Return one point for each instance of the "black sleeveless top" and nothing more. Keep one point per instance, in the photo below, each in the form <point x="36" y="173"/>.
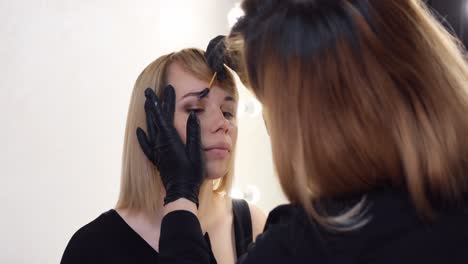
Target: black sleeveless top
<point x="109" y="239"/>
<point x="242" y="225"/>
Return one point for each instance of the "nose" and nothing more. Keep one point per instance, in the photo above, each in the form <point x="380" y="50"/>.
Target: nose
<point x="219" y="123"/>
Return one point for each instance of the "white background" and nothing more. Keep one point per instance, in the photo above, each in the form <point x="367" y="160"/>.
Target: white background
<point x="67" y="70"/>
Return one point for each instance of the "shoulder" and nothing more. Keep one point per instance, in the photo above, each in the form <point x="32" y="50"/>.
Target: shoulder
<point x="277" y="226"/>
<point x="87" y="239"/>
<point x="258" y="220"/>
<point x="95" y="228"/>
<point x="284" y="215"/>
<point x="289" y="236"/>
<point x="253" y="215"/>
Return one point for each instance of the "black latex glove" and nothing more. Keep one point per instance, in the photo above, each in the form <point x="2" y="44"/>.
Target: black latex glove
<point x="217" y="56"/>
<point x="180" y="166"/>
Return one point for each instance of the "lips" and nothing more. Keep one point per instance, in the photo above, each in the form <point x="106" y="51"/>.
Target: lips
<point x="218" y="150"/>
<point x="221" y="146"/>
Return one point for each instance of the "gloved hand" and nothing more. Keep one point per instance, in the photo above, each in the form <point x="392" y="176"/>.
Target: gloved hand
<point x="181" y="166"/>
<point x="217" y="56"/>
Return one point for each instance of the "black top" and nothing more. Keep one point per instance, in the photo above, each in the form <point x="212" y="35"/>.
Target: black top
<point x="109" y="239"/>
<point x="242" y="225"/>
<point x="395" y="234"/>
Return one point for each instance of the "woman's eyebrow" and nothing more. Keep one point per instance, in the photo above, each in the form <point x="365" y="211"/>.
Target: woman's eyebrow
<point x="195" y="94"/>
<point x="229" y="98"/>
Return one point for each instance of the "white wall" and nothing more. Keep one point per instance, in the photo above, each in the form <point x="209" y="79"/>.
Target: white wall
<point x="67" y="69"/>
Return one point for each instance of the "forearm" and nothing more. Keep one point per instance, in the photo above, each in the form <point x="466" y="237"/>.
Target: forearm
<point x="180" y="204"/>
<point x="181" y="239"/>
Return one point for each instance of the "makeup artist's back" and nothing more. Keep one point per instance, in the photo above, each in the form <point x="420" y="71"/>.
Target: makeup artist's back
<point x="395" y="233"/>
<point x="382" y="103"/>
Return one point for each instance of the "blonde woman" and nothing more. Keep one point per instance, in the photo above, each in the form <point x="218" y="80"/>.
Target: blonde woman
<point x="130" y="232"/>
<point x="366" y="105"/>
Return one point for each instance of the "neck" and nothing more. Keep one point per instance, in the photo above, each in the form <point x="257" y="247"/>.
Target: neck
<point x="210" y="206"/>
<point x="207" y="200"/>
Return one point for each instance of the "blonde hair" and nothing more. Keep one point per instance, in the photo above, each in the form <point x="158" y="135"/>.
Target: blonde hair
<point x="358" y="94"/>
<point x="140" y="180"/>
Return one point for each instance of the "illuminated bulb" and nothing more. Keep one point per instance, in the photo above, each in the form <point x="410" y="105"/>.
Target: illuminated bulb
<point x="234" y="14"/>
<point x="252" y="195"/>
<point x="253" y="107"/>
<point x="250" y="107"/>
<point x="241" y="108"/>
<point x="236" y="194"/>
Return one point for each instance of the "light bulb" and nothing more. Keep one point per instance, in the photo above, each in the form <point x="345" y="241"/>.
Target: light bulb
<point x="252" y="195"/>
<point x="249" y="107"/>
<point x="236" y="193"/>
<point x="234" y="14"/>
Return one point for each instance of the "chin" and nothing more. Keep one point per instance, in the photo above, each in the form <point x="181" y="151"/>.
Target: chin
<point x="216" y="169"/>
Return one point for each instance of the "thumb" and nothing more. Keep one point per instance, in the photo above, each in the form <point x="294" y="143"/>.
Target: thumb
<point x="194" y="145"/>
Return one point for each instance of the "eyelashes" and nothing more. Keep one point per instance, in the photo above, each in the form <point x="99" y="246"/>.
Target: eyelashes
<point x="197" y="110"/>
<point x="229" y="115"/>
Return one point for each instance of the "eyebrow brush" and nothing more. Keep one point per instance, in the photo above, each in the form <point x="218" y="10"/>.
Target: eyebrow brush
<point x="207" y="90"/>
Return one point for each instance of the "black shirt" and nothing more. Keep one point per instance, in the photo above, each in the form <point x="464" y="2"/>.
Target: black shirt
<point x="109" y="239"/>
<point x="394" y="234"/>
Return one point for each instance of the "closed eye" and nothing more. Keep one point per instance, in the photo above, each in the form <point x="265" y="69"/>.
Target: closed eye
<point x="228" y="115"/>
<point x="195" y="110"/>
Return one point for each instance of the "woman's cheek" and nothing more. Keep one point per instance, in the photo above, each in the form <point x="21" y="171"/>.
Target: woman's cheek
<point x="233" y="132"/>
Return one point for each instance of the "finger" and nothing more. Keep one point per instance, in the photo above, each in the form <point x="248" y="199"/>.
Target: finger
<point x="221" y="76"/>
<point x="151" y="95"/>
<point x="214" y="42"/>
<point x="152" y="107"/>
<point x="144" y="143"/>
<point x="151" y="123"/>
<point x="194" y="145"/>
<point x="151" y="104"/>
<point x="215" y="53"/>
<point x="168" y="105"/>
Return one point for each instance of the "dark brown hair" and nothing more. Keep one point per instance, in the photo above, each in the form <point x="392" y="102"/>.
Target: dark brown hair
<point x="357" y="94"/>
